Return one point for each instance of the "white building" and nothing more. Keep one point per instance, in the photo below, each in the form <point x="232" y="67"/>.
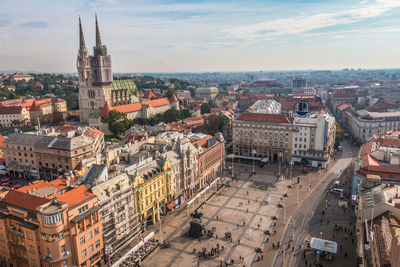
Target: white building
<point x="364" y="124"/>
<point x="266" y="106"/>
<point x="313" y="139"/>
<point x="209" y="93"/>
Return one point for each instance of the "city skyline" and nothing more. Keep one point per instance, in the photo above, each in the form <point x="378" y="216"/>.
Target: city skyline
<point x="196" y="36"/>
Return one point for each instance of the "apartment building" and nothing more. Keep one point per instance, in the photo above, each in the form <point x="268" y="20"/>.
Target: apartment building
<point x="118" y="214"/>
<point x="154" y="190"/>
<point x="266" y="137"/>
<point x="365" y="124"/>
<point x="211" y="157"/>
<point x="50" y="155"/>
<point x="51" y="224"/>
<point x="313" y="139"/>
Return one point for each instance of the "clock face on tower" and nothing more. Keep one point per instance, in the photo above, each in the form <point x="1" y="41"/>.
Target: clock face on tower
<point x="301" y="109"/>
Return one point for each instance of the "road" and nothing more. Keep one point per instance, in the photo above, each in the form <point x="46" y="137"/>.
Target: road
<point x="299" y="221"/>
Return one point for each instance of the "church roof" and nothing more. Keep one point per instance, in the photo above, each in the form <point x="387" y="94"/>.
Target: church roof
<point x="173" y="98"/>
<point x="149" y="95"/>
<point x="105" y="110"/>
<point x="123" y="85"/>
<point x="35" y="106"/>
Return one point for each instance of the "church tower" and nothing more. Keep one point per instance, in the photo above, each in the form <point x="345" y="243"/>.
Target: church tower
<point x="95" y="76"/>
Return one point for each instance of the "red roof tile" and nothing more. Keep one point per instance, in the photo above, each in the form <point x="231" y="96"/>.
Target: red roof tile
<point x="149" y="95"/>
<point x="173" y="98"/>
<point x="257" y="117"/>
<point x="138" y="106"/>
<point x="105" y="110"/>
<point x="75" y="196"/>
<point x="24" y="200"/>
<point x="10" y="110"/>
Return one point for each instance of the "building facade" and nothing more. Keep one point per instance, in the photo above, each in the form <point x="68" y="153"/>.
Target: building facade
<point x="211" y="158"/>
<point x="154" y="190"/>
<point x="313" y="139"/>
<point x="267" y="137"/>
<point x="53" y="225"/>
<point x="208" y="93"/>
<point x="364" y="124"/>
<point x="49" y="156"/>
<point x="118" y="213"/>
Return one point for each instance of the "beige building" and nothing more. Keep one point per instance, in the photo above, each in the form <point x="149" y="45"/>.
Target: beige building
<point x="267" y="137"/>
<point x="49" y="156"/>
<point x="208" y="93"/>
<point x="313" y="139"/>
<point x="28" y="112"/>
<point x="118" y="213"/>
<point x="14" y="116"/>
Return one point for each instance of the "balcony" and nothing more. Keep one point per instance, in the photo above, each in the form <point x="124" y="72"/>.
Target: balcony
<point x="63" y="257"/>
<point x="18" y="246"/>
<point x="19" y="258"/>
<point x="16" y="232"/>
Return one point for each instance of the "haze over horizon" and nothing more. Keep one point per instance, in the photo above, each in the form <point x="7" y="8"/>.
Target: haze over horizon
<point x="196" y="36"/>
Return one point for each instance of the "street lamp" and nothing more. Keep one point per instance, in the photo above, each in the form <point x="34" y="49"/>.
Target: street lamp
<point x="254" y="157"/>
<point x="279" y="160"/>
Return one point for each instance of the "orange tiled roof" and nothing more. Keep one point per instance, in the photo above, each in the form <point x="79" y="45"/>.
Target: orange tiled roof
<point x="105" y="110"/>
<point x="60" y="184"/>
<point x="2" y="138"/>
<point x="149" y="95"/>
<point x="203" y="142"/>
<point x="75" y="196"/>
<point x="258" y="117"/>
<point x="66" y="128"/>
<point x="24" y="200"/>
<point x="173" y="98"/>
<point x="138" y="106"/>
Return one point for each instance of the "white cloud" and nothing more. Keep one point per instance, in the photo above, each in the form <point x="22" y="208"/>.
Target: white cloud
<point x="304" y="23"/>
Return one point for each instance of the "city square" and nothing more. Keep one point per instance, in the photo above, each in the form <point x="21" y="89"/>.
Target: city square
<point x="241" y="209"/>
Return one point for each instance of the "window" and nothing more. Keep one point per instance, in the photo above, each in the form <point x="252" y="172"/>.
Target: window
<point x="29" y="235"/>
<point x="83" y="209"/>
<point x="63" y="249"/>
<point x="89" y="236"/>
<point x="96" y="231"/>
<point x="82" y="240"/>
<point x="52" y="219"/>
<point x="65" y="263"/>
<point x="83" y="254"/>
<point x="97" y="243"/>
<point x="91" y="249"/>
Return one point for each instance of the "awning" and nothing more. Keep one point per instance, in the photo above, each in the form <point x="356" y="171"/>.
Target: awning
<point x="171" y="205"/>
<point x="264" y="160"/>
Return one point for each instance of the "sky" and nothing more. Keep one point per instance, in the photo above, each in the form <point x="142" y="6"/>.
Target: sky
<point x="197" y="36"/>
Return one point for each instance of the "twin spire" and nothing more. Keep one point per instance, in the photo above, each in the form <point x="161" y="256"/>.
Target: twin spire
<point x="82" y="38"/>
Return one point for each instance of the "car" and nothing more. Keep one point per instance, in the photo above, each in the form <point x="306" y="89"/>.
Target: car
<point x="336" y="184"/>
<point x="339" y="148"/>
<point x="336" y="190"/>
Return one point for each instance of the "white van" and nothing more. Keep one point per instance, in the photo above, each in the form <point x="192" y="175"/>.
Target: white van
<point x="336" y="190"/>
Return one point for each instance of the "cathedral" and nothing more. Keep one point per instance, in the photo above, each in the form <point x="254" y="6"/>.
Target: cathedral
<point x="96" y="85"/>
<point x="99" y="93"/>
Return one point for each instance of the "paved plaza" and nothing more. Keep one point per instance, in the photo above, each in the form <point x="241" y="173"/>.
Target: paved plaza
<point x="240" y="209"/>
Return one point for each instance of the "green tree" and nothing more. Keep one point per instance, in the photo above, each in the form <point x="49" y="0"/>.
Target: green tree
<point x="118" y="122"/>
<point x="169" y="92"/>
<point x="213" y="124"/>
<point x="205" y="108"/>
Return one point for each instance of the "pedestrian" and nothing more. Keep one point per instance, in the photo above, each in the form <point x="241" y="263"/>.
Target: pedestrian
<point x="262" y="257"/>
<point x="248" y="201"/>
<point x="238" y="241"/>
<point x="217" y="217"/>
<point x="260" y="219"/>
<point x="345" y="255"/>
<point x="273" y="245"/>
<point x="244" y="223"/>
<point x="341" y="248"/>
<point x="258" y="226"/>
<point x="247" y="192"/>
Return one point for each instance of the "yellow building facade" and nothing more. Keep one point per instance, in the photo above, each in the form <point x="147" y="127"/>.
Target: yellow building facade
<point x="153" y="190"/>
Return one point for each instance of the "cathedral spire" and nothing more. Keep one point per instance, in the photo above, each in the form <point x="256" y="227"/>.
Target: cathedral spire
<point x="98" y="39"/>
<point x="81" y="37"/>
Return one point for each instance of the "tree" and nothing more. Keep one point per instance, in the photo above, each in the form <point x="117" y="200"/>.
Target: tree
<point x="205" y="108"/>
<point x="118" y="122"/>
<point x="213" y="124"/>
<point x="169" y="92"/>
